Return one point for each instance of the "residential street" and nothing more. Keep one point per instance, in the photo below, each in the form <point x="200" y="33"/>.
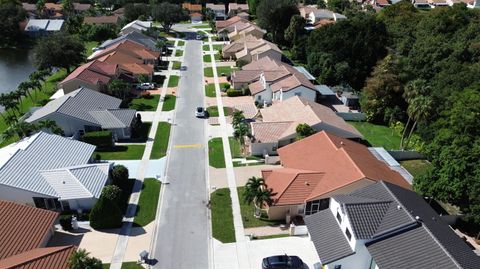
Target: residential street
<point x="182" y="237"/>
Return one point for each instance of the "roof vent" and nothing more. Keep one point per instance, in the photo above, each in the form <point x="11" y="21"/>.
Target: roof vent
<point x="63" y="182"/>
<point x="399" y="207"/>
<point x="417" y="218"/>
<point x="341" y="143"/>
<point x="306" y="183"/>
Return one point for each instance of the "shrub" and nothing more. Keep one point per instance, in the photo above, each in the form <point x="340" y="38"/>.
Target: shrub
<point x="105" y="215"/>
<point x="66" y="223"/>
<point x="120" y="176"/>
<point x="101" y="139"/>
<point x="146" y="95"/>
<point x="246" y="91"/>
<point x="233" y="92"/>
<point x="112" y="193"/>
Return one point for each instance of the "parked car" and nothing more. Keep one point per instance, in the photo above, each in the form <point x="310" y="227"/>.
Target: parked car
<point x="183" y="68"/>
<point x="200" y="37"/>
<point x="145" y="86"/>
<point x="282" y="262"/>
<point x="200" y="112"/>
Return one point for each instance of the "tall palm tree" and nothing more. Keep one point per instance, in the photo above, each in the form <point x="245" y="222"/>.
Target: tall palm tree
<point x="252" y="188"/>
<point x="413" y="90"/>
<point x="419" y="109"/>
<point x="25" y="87"/>
<point x="80" y="259"/>
<point x="50" y="125"/>
<point x="40" y="6"/>
<point x="264" y="197"/>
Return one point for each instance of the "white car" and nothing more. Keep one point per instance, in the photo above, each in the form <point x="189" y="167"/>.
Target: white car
<point x="200" y="112"/>
<point x="146" y="86"/>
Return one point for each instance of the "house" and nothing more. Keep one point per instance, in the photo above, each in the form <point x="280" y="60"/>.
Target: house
<point x="192" y="8"/>
<point x="38" y="28"/>
<point x="279" y="123"/>
<point x="324" y="14"/>
<point x="54" y="10"/>
<point x="219" y="10"/>
<point x="244" y="29"/>
<point x="131" y="48"/>
<point x="244" y="15"/>
<point x="249" y="48"/>
<point x="86" y="110"/>
<point x="131" y="67"/>
<point x="80" y="8"/>
<point x="147" y="41"/>
<point x="94" y="75"/>
<point x="305" y="10"/>
<point x="51" y="172"/>
<point x="109" y="20"/>
<point x="137" y="26"/>
<point x="196" y="17"/>
<point x="437" y="3"/>
<point x="31" y="10"/>
<point x="234" y="9"/>
<point x="318" y="167"/>
<point x="385" y="226"/>
<point x="270" y="80"/>
<point x="220" y="25"/>
<point x="25" y="233"/>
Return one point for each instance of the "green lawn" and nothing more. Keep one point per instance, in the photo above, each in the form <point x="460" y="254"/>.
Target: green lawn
<point x="416" y="167"/>
<point x="215" y="47"/>
<point x="178" y="53"/>
<point x="222" y="216"/>
<point x="89" y="47"/>
<point x="173" y="81"/>
<point x="147" y="203"/>
<point x="213" y="111"/>
<point x="210" y="90"/>
<point x="208" y="71"/>
<point x="169" y="102"/>
<point x="127" y="152"/>
<point x="181" y="43"/>
<point x="378" y="135"/>
<point x="171" y="42"/>
<point x="248" y="211"/>
<point x="125" y="265"/>
<point x="160" y="144"/>
<point x="208" y="59"/>
<point x="145" y="104"/>
<point x="176" y="65"/>
<point x="201" y="26"/>
<point x="216" y="155"/>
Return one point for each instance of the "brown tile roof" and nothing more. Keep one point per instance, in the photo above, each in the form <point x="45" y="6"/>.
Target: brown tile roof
<point x="342" y="160"/>
<point x="131" y="48"/>
<point x="256" y="87"/>
<point x="235" y="6"/>
<point x="53" y="6"/>
<point x="81" y="7"/>
<point x="93" y="72"/>
<point x="292" y="186"/>
<point x="192" y="7"/>
<point x="138" y="69"/>
<point x="240" y="76"/>
<point x="22" y="227"/>
<point x="300" y="110"/>
<point x="51" y="257"/>
<point x="270" y="132"/>
<point x="223" y="24"/>
<point x="196" y="14"/>
<point x="102" y="20"/>
<point x="119" y="57"/>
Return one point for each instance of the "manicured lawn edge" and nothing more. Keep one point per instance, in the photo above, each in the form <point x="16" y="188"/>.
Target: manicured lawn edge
<point x="160" y="144"/>
<point x="378" y="135"/>
<point x="248" y="211"/>
<point x="176" y="65"/>
<point x="216" y="157"/>
<point x="145" y="104"/>
<point x="124" y="152"/>
<point x="178" y="53"/>
<point x="222" y="216"/>
<point x="173" y="81"/>
<point x="147" y="203"/>
<point x="169" y="102"/>
<point x="210" y="90"/>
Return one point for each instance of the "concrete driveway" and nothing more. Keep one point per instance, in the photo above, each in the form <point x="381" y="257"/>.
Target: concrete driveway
<point x="155" y="167"/>
<point x="259" y="249"/>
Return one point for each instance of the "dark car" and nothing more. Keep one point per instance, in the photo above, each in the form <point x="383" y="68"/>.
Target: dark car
<point x="282" y="262"/>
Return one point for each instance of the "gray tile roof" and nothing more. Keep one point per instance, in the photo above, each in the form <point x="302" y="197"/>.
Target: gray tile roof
<point x="89" y="106"/>
<point x="385" y="215"/>
<point x="135" y="37"/>
<point x="37" y="153"/>
<point x="329" y="241"/>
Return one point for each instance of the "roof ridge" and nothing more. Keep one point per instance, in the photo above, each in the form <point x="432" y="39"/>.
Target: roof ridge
<point x="80" y="183"/>
<point x="36" y="257"/>
<point x="286" y="188"/>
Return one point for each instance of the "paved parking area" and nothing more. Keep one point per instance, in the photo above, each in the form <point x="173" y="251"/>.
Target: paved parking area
<point x="224" y="254"/>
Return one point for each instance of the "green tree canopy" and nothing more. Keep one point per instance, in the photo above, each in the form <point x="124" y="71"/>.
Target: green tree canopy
<point x="303" y="130"/>
<point x="274" y="16"/>
<point x="59" y="50"/>
<point x="80" y="259"/>
<point x="12" y="14"/>
<point x="168" y="14"/>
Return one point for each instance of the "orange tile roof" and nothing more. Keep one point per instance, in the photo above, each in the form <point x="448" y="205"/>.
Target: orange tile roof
<point x="131" y="48"/>
<point x="137" y="69"/>
<point x="223" y="24"/>
<point x="51" y="257"/>
<point x="119" y="57"/>
<point x="93" y="72"/>
<point x="22" y="227"/>
<point x="192" y="7"/>
<point x="342" y="160"/>
<point x="292" y="186"/>
<point x="53" y="6"/>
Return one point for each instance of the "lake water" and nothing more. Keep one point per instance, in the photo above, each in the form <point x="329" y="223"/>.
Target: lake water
<point x="15" y="66"/>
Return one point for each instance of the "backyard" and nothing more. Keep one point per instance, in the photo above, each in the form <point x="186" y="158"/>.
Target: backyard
<point x="124" y="152"/>
<point x="222" y="216"/>
<point x="160" y="144"/>
<point x="145" y="103"/>
<point x="378" y="135"/>
<point x="147" y="203"/>
<point x="173" y="81"/>
<point x="169" y="102"/>
<point x="89" y="46"/>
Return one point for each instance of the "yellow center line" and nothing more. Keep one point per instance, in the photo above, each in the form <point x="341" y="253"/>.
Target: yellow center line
<point x="184" y="146"/>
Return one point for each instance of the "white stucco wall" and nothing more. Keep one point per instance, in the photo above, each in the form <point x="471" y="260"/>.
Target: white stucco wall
<point x="19" y="195"/>
<point x="304" y="92"/>
<point x="83" y="204"/>
<point x="74" y="84"/>
<point x="69" y="125"/>
<point x="261" y="148"/>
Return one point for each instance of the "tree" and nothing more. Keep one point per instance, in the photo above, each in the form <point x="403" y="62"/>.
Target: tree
<point x="168" y="14"/>
<point x="418" y="110"/>
<point x="274" y="16"/>
<point x="99" y="33"/>
<point x="105" y="214"/>
<point x="381" y="98"/>
<point x="67" y="7"/>
<point x="74" y="24"/>
<point x="51" y="126"/>
<point x="133" y="12"/>
<point x="112" y="193"/>
<point x="119" y="88"/>
<point x="59" y="50"/>
<point x="80" y="259"/>
<point x="321" y="4"/>
<point x="120" y="176"/>
<point x="338" y="5"/>
<point x="304" y="130"/>
<point x="252" y="6"/>
<point x="12" y="14"/>
<point x="40" y="6"/>
<point x="296" y="29"/>
<point x="252" y="188"/>
<point x="240" y="126"/>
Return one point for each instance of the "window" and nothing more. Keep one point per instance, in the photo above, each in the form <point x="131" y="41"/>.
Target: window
<point x="313" y="207"/>
<point x="337" y="267"/>
<point x="339" y="218"/>
<point x="298" y="94"/>
<point x="349" y="235"/>
<point x="259" y="97"/>
<point x="65" y="205"/>
<point x="274" y="148"/>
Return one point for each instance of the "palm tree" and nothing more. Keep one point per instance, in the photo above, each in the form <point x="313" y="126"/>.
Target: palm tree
<point x="264" y="197"/>
<point x="237" y="118"/>
<point x="414" y="89"/>
<point x="40" y="6"/>
<point x="252" y="188"/>
<point x="25" y="88"/>
<point x="50" y="125"/>
<point x="80" y="259"/>
<point x="419" y="109"/>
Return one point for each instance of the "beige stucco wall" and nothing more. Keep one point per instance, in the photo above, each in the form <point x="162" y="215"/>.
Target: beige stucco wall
<point x="280" y="212"/>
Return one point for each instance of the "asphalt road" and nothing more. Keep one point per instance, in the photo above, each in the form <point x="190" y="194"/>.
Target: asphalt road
<point x="182" y="239"/>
